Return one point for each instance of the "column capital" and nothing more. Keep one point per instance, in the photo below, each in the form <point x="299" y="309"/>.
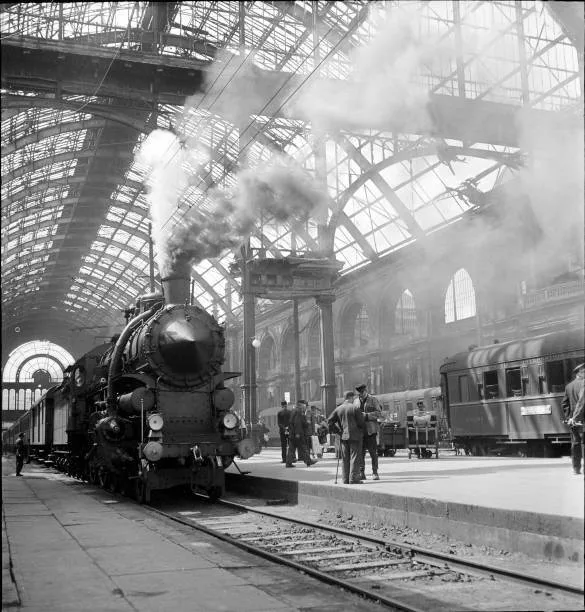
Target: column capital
<point x="325" y="300"/>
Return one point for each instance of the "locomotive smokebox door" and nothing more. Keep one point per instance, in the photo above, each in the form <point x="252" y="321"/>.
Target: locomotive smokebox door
<point x="182" y="344"/>
<point x="186" y="346"/>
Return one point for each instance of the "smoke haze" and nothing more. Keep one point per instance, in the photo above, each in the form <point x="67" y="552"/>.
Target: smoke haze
<point x="381" y="90"/>
<point x="553" y="180"/>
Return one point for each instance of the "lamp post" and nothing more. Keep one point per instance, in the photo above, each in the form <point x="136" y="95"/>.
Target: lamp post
<point x="249" y="302"/>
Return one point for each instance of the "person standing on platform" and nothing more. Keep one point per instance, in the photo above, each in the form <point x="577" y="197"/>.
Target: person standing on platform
<point x="298" y="429"/>
<point x="370" y="406"/>
<point x="572" y="405"/>
<point x="349" y="420"/>
<point x="264" y="433"/>
<point x="20" y="453"/>
<point x="283" y="420"/>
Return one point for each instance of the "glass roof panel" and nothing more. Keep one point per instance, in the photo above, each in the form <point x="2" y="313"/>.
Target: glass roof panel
<point x="509" y="52"/>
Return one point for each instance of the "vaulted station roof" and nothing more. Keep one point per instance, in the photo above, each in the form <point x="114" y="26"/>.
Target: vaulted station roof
<point x="407" y="110"/>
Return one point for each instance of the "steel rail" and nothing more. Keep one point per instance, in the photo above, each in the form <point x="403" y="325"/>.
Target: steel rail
<point x="423" y="552"/>
<point x="323" y="577"/>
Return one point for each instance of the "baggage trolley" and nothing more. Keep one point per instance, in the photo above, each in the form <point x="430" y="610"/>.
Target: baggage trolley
<point x="423" y="434"/>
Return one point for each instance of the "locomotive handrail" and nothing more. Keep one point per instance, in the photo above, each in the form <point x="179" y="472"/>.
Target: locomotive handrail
<point x="118" y="350"/>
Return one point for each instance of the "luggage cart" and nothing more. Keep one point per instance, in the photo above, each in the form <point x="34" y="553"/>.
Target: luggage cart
<point x="390" y="438"/>
<point x="423" y="434"/>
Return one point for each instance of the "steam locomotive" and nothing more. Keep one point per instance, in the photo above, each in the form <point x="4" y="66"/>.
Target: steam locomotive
<point x="148" y="411"/>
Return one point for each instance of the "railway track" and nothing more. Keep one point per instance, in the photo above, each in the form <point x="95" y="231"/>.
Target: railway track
<point x="402" y="577"/>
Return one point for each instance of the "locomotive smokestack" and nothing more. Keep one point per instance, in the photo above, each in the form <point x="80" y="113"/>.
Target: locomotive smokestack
<point x="176" y="285"/>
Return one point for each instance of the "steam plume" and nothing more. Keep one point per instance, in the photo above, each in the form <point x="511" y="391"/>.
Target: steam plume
<point x="280" y="189"/>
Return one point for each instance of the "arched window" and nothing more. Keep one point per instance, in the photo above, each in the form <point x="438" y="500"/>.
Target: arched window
<point x="267" y="356"/>
<point x="288" y="351"/>
<point x="405" y="314"/>
<point x="460" y="297"/>
<point x="355" y="330"/>
<point x="34" y="356"/>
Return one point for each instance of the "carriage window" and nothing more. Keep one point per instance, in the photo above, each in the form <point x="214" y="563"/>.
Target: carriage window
<point x="513" y="382"/>
<point x="408" y="406"/>
<point x="464" y="388"/>
<point x="555" y="376"/>
<point x="480" y="391"/>
<point x="490" y="384"/>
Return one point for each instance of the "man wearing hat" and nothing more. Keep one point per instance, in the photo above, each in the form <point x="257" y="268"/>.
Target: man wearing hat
<point x="348" y="420"/>
<point x="283" y="420"/>
<point x="298" y="430"/>
<point x="370" y="406"/>
<point x="572" y="405"/>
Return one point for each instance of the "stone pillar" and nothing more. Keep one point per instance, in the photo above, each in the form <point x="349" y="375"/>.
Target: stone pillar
<point x="325" y="305"/>
<point x="297" y="350"/>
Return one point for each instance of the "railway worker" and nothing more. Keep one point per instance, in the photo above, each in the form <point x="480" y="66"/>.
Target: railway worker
<point x="349" y="420"/>
<point x="370" y="406"/>
<point x="283" y="420"/>
<point x="573" y="412"/>
<point x="20" y="453"/>
<point x="298" y="429"/>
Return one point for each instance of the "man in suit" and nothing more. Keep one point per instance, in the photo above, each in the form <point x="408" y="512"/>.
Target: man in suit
<point x="283" y="419"/>
<point x="298" y="429"/>
<point x="348" y="420"/>
<point x="370" y="406"/>
<point x="20" y="453"/>
<point x="572" y="405"/>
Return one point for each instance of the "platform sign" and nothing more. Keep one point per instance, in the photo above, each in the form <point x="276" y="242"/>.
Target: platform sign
<point x="539" y="409"/>
<point x="285" y="278"/>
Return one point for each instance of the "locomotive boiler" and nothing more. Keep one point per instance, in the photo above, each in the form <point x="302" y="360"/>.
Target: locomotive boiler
<point x="150" y="410"/>
<point x="165" y="417"/>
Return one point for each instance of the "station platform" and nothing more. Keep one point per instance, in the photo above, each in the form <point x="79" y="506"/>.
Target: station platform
<point x="71" y="547"/>
<point x="526" y="505"/>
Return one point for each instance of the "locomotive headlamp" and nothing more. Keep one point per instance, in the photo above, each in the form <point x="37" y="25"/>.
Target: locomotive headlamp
<point x="155" y="422"/>
<point x="230" y="420"/>
<point x="153" y="451"/>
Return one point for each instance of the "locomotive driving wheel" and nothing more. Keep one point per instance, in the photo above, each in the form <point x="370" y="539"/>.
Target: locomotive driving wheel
<point x="103" y="477"/>
<point x="214" y="493"/>
<point x="92" y="472"/>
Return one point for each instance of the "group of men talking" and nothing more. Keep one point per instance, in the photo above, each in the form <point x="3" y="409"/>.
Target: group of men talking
<point x="355" y="421"/>
<point x="293" y="428"/>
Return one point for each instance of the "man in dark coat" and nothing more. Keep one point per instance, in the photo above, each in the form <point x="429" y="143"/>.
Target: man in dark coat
<point x="20" y="453"/>
<point x="298" y="429"/>
<point x="370" y="406"/>
<point x="283" y="419"/>
<point x="348" y="419"/>
<point x="572" y="405"/>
